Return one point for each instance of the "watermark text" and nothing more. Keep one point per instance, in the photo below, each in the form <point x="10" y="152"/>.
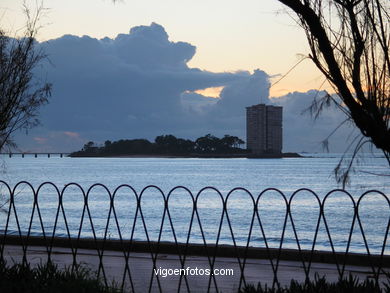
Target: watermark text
<point x="188" y="271"/>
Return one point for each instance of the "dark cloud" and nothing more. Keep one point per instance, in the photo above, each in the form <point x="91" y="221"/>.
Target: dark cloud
<point x="301" y="132"/>
<point x="139" y="85"/>
<point x="242" y="93"/>
<point x="227" y="114"/>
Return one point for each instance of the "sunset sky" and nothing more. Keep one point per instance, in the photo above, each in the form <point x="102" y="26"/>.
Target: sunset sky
<point x="229" y="35"/>
<point x="138" y="69"/>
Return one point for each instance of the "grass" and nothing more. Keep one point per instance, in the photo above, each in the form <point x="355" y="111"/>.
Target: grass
<point x="49" y="278"/>
<point x="321" y="285"/>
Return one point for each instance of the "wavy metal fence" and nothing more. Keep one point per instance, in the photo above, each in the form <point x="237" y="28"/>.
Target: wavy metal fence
<point x="208" y="223"/>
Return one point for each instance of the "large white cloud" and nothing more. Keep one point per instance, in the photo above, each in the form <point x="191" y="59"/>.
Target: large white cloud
<point x="139" y="85"/>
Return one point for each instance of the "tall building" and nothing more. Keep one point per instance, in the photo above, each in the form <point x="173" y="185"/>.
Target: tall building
<point x="264" y="129"/>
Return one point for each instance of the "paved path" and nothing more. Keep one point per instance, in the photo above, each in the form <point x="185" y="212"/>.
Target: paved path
<point x="141" y="268"/>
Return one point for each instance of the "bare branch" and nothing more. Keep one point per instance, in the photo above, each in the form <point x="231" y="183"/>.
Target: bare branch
<point x="349" y="44"/>
<point x="21" y="92"/>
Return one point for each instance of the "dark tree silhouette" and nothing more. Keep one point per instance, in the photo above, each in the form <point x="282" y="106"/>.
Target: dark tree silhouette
<point x="164" y="144"/>
<point x="349" y="42"/>
<point x="171" y="144"/>
<point x="89" y="146"/>
<point x="22" y="93"/>
<point x="208" y="144"/>
<point x="107" y="143"/>
<point x="229" y="141"/>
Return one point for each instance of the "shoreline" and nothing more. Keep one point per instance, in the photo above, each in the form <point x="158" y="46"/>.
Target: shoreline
<point x="195" y="156"/>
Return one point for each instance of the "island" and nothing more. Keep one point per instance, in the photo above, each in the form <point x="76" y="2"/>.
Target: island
<point x="208" y="146"/>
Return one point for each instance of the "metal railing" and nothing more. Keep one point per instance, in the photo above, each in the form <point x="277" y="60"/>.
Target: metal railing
<point x="208" y="223"/>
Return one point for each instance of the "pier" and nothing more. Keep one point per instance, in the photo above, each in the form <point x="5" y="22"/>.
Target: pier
<point x="36" y="155"/>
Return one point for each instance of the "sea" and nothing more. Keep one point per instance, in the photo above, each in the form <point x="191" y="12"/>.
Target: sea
<point x="126" y="198"/>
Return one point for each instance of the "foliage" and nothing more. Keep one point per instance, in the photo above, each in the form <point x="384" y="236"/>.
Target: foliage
<point x="349" y="42"/>
<point x="320" y="285"/>
<point x="22" y="93"/>
<point x="210" y="143"/>
<point x="164" y="144"/>
<point x="49" y="278"/>
<point x="171" y="144"/>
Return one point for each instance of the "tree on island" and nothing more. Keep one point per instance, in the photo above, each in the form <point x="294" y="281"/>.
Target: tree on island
<point x="349" y="42"/>
<point x="169" y="143"/>
<point x="207" y="144"/>
<point x="125" y="147"/>
<point x="90" y="147"/>
<point x="22" y="93"/>
<point x="229" y="141"/>
<point x="210" y="143"/>
<point x="164" y="144"/>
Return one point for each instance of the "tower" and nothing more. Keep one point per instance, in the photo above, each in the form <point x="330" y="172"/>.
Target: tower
<point x="264" y="129"/>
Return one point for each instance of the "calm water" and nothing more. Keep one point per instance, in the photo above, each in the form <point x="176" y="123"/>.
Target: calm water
<point x="287" y="175"/>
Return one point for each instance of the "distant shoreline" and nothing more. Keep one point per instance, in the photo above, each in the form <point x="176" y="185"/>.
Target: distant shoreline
<point x="194" y="156"/>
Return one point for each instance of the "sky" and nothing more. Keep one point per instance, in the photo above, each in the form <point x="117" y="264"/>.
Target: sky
<point x="229" y="35"/>
<point x="143" y="68"/>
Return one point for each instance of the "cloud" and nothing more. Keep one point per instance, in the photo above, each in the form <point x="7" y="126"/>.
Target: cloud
<point x="301" y="132"/>
<point x="122" y="87"/>
<point x="138" y="85"/>
<point x="40" y="140"/>
<point x="148" y="47"/>
<point x="72" y="134"/>
<point x="245" y="92"/>
<point x="211" y="92"/>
